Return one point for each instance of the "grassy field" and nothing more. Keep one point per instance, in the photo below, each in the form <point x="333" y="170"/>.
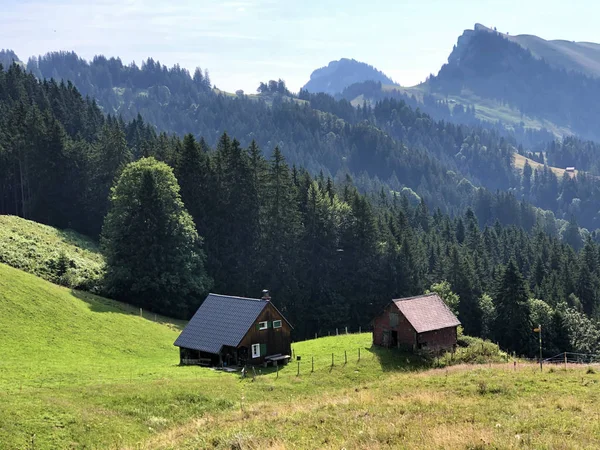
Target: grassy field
<point x="519" y="162"/>
<point x="37" y="249"/>
<point x="79" y="371"/>
<point x="485" y="109"/>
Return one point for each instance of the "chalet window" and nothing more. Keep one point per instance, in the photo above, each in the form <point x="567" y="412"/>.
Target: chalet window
<point x="255" y="350"/>
<point x="277" y="324"/>
<point x="263" y="325"/>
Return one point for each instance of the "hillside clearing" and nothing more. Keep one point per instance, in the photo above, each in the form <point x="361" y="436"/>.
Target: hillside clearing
<point x="485" y="109"/>
<point x="520" y="160"/>
<point x="79" y="371"/>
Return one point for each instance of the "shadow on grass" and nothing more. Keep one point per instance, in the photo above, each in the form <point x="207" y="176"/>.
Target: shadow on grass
<point x="396" y="360"/>
<point x="103" y="305"/>
<point x="78" y="240"/>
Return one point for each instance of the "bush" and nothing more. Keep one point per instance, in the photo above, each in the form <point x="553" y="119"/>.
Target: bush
<point x="472" y="350"/>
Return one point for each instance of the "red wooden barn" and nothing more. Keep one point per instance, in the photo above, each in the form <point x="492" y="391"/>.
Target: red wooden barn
<point x="422" y="322"/>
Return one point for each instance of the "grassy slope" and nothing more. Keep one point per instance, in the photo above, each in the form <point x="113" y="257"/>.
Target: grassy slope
<point x="520" y="160"/>
<point x="485" y="109"/>
<point x="34" y="248"/>
<point x="581" y="57"/>
<point x="81" y="371"/>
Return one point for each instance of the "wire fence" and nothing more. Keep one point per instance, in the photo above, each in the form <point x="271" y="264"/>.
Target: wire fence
<point x="573" y="358"/>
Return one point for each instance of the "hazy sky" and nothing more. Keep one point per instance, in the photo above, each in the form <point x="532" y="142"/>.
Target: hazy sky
<point x="247" y="41"/>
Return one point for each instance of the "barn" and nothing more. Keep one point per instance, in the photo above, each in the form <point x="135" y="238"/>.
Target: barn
<point x="423" y="322"/>
<point x="228" y="330"/>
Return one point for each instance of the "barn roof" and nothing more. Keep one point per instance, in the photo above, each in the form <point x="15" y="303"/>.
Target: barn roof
<point x="426" y="312"/>
<point x="220" y="320"/>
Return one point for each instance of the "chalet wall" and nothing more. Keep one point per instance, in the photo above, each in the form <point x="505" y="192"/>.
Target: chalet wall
<point x="277" y="340"/>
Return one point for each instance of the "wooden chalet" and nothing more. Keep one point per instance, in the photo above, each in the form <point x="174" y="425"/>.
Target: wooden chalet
<point x="229" y="331"/>
<point x="422" y="322"/>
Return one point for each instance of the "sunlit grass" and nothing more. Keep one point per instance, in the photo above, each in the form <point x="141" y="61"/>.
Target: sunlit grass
<point x="79" y="371"/>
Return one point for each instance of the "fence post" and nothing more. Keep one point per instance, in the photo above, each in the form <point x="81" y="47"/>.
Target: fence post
<point x="345" y="357"/>
<point x="315" y="335"/>
<point x="332" y="360"/>
<point x="141" y="314"/>
<point x="346" y="330"/>
<point x="359" y="353"/>
<point x="329" y="333"/>
<point x="312" y="364"/>
<point x="565" y="361"/>
<point x="359" y="329"/>
<point x="298" y="374"/>
<point x="336" y="332"/>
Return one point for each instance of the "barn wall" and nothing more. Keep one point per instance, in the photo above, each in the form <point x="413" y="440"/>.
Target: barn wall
<point x="438" y="339"/>
<point x="406" y="336"/>
<point x="276" y="340"/>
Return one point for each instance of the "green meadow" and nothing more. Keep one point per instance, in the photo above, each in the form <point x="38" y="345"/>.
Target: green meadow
<point x="81" y="371"/>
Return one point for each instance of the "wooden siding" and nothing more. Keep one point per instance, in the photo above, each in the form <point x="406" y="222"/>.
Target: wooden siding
<point x="277" y="340"/>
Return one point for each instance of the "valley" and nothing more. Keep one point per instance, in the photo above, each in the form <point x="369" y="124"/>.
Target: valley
<point x="419" y="255"/>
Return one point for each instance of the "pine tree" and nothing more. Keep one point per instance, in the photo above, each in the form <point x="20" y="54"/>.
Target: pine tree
<point x="513" y="327"/>
<point x="281" y="229"/>
<point x="194" y="175"/>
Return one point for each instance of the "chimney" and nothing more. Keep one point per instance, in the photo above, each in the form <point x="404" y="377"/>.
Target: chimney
<point x="265" y="295"/>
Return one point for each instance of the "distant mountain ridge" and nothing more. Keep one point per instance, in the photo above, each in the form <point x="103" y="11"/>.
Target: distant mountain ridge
<point x="487" y="66"/>
<point x="338" y="75"/>
<point x="583" y="57"/>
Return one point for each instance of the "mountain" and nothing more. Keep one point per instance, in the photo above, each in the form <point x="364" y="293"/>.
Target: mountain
<point x="391" y="146"/>
<point x="338" y="75"/>
<point x="516" y="83"/>
<point x="487" y="67"/>
<point x="583" y="57"/>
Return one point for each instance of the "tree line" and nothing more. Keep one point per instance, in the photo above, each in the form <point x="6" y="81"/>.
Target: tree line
<point x="333" y="257"/>
<point x="227" y="219"/>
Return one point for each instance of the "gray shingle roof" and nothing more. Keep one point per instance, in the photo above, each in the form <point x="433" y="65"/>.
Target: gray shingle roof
<point x="220" y="320"/>
<point x="426" y="312"/>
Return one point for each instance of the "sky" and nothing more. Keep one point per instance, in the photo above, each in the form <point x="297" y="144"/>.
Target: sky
<point x="247" y="41"/>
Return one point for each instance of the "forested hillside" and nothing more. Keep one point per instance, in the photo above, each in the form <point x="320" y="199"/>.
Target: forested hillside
<point x="238" y="222"/>
<point x="458" y="111"/>
<point x="307" y="137"/>
<point x="438" y="161"/>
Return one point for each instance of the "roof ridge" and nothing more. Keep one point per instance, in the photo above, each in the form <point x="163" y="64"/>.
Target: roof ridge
<point x="414" y="296"/>
<point x="238" y="297"/>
